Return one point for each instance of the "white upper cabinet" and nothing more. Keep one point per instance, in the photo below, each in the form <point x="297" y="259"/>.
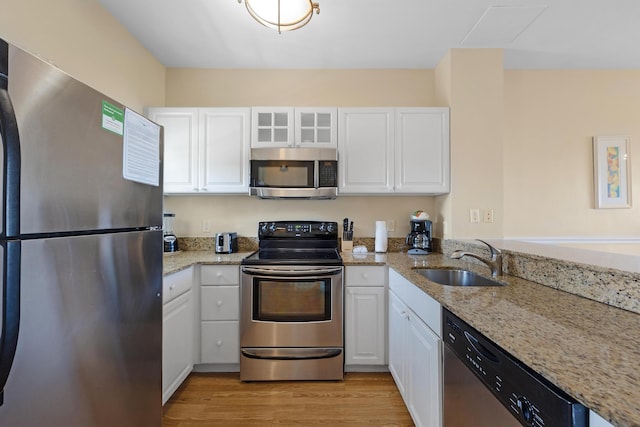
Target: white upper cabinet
<point x="224" y="149"/>
<point x="365" y="150"/>
<point x="381" y="151"/>
<point x="421" y="150"/>
<point x="316" y="127"/>
<point x="206" y="149"/>
<point x="272" y="127"/>
<point x="393" y="150"/>
<point x="293" y="127"/>
<point x="180" y="147"/>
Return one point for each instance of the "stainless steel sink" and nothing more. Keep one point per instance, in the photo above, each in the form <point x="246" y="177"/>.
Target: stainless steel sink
<point x="453" y="277"/>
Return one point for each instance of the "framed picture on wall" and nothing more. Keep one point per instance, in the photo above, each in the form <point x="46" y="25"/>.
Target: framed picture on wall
<point x="611" y="171"/>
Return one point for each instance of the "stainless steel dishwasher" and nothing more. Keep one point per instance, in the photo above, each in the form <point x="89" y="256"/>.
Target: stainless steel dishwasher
<point x="484" y="386"/>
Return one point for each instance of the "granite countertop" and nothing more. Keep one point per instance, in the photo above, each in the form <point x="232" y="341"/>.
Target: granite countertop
<point x="176" y="261"/>
<point x="588" y="349"/>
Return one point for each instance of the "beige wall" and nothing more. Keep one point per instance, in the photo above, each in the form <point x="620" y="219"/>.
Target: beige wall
<point x="470" y="81"/>
<point x="83" y="39"/>
<point x="219" y="88"/>
<point x="521" y="142"/>
<point x="442" y="88"/>
<point x="545" y="188"/>
<point x="316" y="88"/>
<point x="242" y="213"/>
<point x="550" y="119"/>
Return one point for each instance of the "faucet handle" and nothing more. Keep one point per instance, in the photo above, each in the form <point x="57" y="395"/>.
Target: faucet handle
<point x="495" y="252"/>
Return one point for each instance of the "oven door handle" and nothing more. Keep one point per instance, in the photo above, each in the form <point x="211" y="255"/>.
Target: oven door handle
<point x="291" y="353"/>
<point x="275" y="271"/>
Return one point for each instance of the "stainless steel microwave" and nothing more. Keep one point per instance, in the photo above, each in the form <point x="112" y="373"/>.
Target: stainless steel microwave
<point x="299" y="173"/>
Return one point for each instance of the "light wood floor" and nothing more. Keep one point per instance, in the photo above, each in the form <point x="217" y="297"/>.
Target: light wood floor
<point x="362" y="399"/>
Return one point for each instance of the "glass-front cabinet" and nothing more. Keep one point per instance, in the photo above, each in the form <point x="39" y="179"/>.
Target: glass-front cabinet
<point x="272" y="127"/>
<point x="316" y="127"/>
<point x="294" y="127"/>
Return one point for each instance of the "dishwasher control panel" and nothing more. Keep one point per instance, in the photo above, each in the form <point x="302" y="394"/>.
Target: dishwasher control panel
<point x="529" y="397"/>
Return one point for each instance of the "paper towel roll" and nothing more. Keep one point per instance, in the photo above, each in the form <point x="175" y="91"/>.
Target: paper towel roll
<point x="381" y="236"/>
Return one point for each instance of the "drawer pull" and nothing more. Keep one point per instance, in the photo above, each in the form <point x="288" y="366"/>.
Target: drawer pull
<point x="219" y="343"/>
<point x="365" y="276"/>
<point x="219" y="303"/>
<point x="171" y="287"/>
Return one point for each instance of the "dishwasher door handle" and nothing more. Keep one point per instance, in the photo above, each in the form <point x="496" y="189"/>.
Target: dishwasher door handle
<point x="481" y="349"/>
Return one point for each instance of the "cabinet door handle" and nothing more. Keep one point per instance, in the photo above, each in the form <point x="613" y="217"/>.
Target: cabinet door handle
<point x="219" y="343"/>
<point x="219" y="303"/>
<point x="365" y="276"/>
<point x="171" y="287"/>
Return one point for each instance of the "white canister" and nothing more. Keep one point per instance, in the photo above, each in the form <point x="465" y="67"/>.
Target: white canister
<point x="381" y="236"/>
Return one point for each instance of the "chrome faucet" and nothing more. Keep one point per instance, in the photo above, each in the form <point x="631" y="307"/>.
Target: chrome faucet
<point x="495" y="263"/>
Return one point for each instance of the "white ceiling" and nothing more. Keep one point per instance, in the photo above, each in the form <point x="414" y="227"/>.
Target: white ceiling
<point x="388" y="33"/>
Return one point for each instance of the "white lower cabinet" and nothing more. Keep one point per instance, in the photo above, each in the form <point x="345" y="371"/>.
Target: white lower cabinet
<point x="415" y="350"/>
<point x="177" y="330"/>
<point x="220" y="315"/>
<point x="365" y="317"/>
<point x="220" y="342"/>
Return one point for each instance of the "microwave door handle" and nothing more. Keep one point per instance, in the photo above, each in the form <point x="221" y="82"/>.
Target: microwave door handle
<point x="316" y="174"/>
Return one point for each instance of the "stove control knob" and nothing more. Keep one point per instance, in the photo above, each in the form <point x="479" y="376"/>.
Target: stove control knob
<point x="330" y="228"/>
<point x="272" y="227"/>
<point x="321" y="228"/>
<point x="263" y="228"/>
<point x="525" y="409"/>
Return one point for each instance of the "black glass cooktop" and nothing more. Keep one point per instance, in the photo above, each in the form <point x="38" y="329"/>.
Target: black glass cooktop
<point x="295" y="256"/>
<point x="296" y="243"/>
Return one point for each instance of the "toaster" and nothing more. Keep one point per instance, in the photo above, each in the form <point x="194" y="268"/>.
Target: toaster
<point x="226" y="243"/>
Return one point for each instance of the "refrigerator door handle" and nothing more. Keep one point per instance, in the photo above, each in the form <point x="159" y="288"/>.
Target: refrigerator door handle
<point x="10" y="224"/>
<point x="11" y="150"/>
<point x="10" y="311"/>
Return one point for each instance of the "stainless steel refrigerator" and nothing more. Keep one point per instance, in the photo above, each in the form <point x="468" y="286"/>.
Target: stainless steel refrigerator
<point x="81" y="253"/>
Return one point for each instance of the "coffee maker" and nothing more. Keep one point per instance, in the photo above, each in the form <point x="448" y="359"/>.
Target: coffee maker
<point x="419" y="239"/>
<point x="170" y="239"/>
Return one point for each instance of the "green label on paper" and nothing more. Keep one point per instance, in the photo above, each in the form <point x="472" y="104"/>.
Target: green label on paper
<point x="112" y="118"/>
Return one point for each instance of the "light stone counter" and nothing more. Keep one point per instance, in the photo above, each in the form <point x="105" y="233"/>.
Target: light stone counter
<point x="589" y="349"/>
<point x="174" y="262"/>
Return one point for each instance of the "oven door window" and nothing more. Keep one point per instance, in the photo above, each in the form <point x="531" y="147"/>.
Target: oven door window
<point x="282" y="173"/>
<point x="296" y="300"/>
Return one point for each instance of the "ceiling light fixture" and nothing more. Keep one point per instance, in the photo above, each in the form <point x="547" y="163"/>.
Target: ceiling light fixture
<point x="282" y="15"/>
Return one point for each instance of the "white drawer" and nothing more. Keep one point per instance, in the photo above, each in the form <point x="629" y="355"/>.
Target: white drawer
<point x="220" y="302"/>
<point x="220" y="342"/>
<point x="365" y="275"/>
<point x="176" y="284"/>
<point x="219" y="275"/>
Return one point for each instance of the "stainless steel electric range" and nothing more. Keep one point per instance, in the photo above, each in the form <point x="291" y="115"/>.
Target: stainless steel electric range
<point x="291" y="315"/>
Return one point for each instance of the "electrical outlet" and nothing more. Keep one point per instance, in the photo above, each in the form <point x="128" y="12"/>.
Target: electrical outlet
<point x="488" y="215"/>
<point x="391" y="225"/>
<point x="206" y="226"/>
<point x="474" y="215"/>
